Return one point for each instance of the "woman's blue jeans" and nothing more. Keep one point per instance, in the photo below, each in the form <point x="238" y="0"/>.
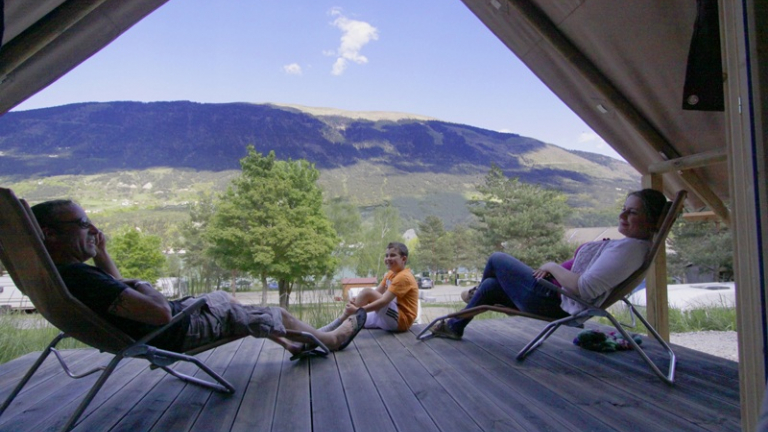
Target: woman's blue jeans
<point x="509" y="282"/>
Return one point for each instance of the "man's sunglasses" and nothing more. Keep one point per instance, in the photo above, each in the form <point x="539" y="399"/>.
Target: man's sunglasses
<point x="83" y="223"/>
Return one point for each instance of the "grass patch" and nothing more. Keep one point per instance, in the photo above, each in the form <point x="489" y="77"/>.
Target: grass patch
<point x="22" y="333"/>
<point x="712" y="318"/>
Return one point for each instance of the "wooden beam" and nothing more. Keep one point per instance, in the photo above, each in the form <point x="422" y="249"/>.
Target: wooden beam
<point x="705" y="216"/>
<point x="697" y="186"/>
<point x="37" y="36"/>
<point x="656" y="298"/>
<point x="689" y="162"/>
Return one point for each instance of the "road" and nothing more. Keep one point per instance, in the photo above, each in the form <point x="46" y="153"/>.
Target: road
<point x="438" y="294"/>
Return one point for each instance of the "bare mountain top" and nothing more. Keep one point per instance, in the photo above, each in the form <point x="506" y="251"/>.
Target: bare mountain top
<point x="357" y="115"/>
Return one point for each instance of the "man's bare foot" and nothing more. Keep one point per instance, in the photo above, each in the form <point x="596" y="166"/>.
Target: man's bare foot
<point x="342" y="333"/>
<point x="294" y="348"/>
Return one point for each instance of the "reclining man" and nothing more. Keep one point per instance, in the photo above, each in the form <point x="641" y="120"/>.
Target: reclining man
<point x="136" y="308"/>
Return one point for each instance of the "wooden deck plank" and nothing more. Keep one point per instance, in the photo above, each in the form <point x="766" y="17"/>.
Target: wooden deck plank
<point x="78" y="360"/>
<point x="392" y="382"/>
<point x="613" y="405"/>
<point x="697" y="370"/>
<point x="293" y="406"/>
<point x="184" y="411"/>
<point x="329" y="403"/>
<point x="490" y="401"/>
<point x="367" y="409"/>
<point x="257" y="408"/>
<point x="118" y="406"/>
<point x="682" y="398"/>
<point x="52" y="401"/>
<point x="396" y="375"/>
<point x="158" y="397"/>
<point x="219" y="413"/>
<point x="649" y="389"/>
<point x="483" y="366"/>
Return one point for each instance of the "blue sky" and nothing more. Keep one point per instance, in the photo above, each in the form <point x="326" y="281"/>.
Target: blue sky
<point x="428" y="57"/>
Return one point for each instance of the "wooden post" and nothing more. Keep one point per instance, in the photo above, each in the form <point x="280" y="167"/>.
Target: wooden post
<point x="656" y="300"/>
<point x="747" y="118"/>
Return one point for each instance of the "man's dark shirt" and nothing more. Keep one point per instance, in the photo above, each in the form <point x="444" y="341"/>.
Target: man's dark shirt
<point x="98" y="290"/>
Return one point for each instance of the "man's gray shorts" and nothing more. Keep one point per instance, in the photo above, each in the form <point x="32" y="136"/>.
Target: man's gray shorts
<point x="222" y="317"/>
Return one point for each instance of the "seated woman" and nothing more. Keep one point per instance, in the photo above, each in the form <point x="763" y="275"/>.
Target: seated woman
<point x="597" y="267"/>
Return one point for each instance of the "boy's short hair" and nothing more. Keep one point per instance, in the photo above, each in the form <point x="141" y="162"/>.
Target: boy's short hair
<point x="401" y="248"/>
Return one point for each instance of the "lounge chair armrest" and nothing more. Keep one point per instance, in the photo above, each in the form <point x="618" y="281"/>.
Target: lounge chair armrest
<point x="176" y="318"/>
<point x="563" y="292"/>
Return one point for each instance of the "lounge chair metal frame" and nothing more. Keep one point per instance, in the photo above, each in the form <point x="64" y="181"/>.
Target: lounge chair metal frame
<point x="619" y="293"/>
<point x="24" y="255"/>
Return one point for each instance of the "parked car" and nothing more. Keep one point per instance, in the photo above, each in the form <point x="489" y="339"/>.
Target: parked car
<point x="426" y="283"/>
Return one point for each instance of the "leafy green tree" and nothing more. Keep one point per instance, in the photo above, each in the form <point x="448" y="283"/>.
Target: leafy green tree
<point x="384" y="227"/>
<point x="204" y="274"/>
<point x="270" y="224"/>
<point x="434" y="249"/>
<point x="524" y="220"/>
<point x="463" y="244"/>
<point x="346" y="221"/>
<point x="703" y="244"/>
<point x="137" y="255"/>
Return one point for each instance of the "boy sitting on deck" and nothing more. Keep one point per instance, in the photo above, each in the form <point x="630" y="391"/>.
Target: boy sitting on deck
<point x="394" y="304"/>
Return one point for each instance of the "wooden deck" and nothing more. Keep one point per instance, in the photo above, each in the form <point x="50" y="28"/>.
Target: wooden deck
<point x="386" y="382"/>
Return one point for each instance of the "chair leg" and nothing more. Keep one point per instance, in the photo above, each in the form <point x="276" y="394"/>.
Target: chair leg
<point x="470" y="313"/>
<point x="162" y="359"/>
<point x="538" y="340"/>
<point x="669" y="378"/>
<point x="223" y="387"/>
<point x="31" y="372"/>
<point x="92" y="393"/>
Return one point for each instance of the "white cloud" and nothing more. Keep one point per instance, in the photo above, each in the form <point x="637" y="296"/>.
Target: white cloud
<point x="292" y="69"/>
<point x="594" y="139"/>
<point x="355" y="35"/>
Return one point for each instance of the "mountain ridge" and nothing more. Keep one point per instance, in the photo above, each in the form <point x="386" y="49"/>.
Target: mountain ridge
<point x="417" y="157"/>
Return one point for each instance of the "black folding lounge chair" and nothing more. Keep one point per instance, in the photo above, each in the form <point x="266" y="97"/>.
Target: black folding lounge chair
<point x="26" y="259"/>
<point x="619" y="293"/>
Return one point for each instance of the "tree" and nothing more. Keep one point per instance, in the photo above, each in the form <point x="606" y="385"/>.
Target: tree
<point x="270" y="224"/>
<point x="434" y="249"/>
<point x="462" y="244"/>
<point x="524" y="220"/>
<point x="383" y="228"/>
<point x="137" y="255"/>
<point x="347" y="222"/>
<point x="204" y="273"/>
<point x="703" y="244"/>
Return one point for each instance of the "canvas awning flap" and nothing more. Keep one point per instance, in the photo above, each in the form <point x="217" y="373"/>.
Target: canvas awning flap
<point x="621" y="67"/>
<point x="44" y="39"/>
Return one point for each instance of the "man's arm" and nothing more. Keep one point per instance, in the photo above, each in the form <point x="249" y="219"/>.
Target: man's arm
<point x="141" y="302"/>
<point x="102" y="259"/>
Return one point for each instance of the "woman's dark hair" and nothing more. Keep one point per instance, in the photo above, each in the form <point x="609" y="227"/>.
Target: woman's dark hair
<point x="653" y="203"/>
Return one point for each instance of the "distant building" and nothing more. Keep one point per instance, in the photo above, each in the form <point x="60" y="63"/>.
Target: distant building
<point x="356" y="283"/>
<point x="579" y="236"/>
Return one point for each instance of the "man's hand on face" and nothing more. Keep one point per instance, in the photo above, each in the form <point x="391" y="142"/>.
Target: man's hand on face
<point x="101" y="242"/>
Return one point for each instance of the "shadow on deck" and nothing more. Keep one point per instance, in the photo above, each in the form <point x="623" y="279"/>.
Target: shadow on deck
<point x="386" y="382"/>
